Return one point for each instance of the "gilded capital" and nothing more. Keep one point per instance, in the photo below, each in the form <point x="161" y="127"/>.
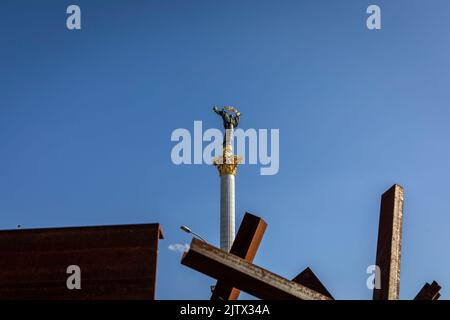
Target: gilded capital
<point x="227" y="164"/>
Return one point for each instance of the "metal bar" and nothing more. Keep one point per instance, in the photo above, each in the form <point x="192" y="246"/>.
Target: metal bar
<point x="245" y="246"/>
<point x="310" y="280"/>
<point x="429" y="292"/>
<point x="389" y="244"/>
<point x="243" y="275"/>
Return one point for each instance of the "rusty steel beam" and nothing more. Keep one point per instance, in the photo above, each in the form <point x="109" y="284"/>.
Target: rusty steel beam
<point x="429" y="292"/>
<point x="243" y="275"/>
<point x="245" y="246"/>
<point x="310" y="280"/>
<point x="116" y="262"/>
<point x="390" y="244"/>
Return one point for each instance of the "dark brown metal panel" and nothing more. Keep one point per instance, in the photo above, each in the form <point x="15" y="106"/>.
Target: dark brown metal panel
<point x="243" y="275"/>
<point x="429" y="292"/>
<point x="116" y="262"/>
<point x="245" y="246"/>
<point x="249" y="236"/>
<point x="389" y="244"/>
<point x="310" y="280"/>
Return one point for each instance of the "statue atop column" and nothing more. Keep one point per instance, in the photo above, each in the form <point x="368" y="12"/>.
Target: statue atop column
<point x="227" y="165"/>
<point x="230" y="116"/>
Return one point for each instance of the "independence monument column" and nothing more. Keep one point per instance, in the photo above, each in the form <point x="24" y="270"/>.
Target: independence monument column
<point x="227" y="166"/>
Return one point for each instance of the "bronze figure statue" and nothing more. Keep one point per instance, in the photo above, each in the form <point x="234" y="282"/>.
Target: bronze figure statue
<point x="230" y="116"/>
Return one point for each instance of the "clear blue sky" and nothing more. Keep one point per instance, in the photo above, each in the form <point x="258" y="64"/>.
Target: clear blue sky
<point x="86" y="118"/>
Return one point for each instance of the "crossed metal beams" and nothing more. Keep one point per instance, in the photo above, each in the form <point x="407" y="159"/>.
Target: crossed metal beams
<point x="235" y="271"/>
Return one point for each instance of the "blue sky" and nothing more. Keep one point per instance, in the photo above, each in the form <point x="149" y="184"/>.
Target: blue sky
<point x="86" y="118"/>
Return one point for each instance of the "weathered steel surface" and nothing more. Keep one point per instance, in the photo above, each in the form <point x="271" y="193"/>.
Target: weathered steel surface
<point x="310" y="280"/>
<point x="116" y="262"/>
<point x="243" y="275"/>
<point x="245" y="246"/>
<point x="429" y="292"/>
<point x="389" y="244"/>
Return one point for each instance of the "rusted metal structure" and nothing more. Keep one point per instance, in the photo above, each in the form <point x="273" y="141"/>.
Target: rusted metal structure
<point x="116" y="262"/>
<point x="244" y="246"/>
<point x="310" y="280"/>
<point x="389" y="245"/>
<point x="241" y="274"/>
<point x="235" y="271"/>
<point x="429" y="292"/>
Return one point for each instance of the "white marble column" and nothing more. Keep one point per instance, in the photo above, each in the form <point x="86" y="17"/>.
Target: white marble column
<point x="227" y="226"/>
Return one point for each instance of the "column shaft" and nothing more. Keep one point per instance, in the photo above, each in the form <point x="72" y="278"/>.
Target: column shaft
<point x="227" y="230"/>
